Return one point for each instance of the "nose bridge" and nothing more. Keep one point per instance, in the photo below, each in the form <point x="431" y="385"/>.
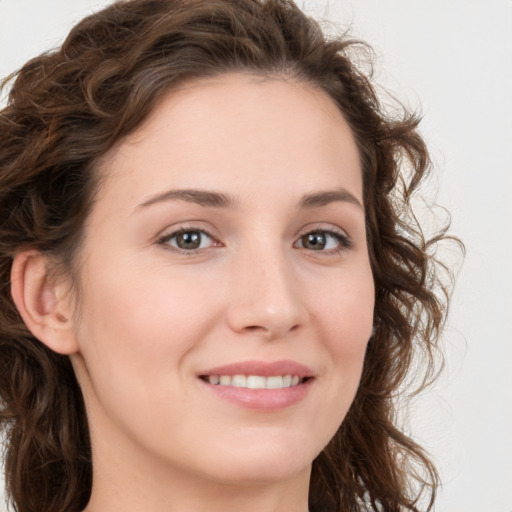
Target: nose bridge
<point x="266" y="298"/>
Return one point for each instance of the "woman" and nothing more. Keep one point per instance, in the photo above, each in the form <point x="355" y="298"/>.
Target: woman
<point x="212" y="286"/>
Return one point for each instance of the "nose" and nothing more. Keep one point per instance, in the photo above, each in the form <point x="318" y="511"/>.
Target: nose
<point x="266" y="298"/>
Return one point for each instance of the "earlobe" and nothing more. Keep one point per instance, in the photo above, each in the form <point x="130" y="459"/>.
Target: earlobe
<point x="42" y="302"/>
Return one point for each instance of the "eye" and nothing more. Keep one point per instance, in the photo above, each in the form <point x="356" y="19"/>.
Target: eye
<point x="188" y="240"/>
<point x="324" y="240"/>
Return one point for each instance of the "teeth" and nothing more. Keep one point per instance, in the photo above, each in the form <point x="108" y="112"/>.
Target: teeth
<point x="275" y="382"/>
<point x="225" y="380"/>
<point x="239" y="381"/>
<point x="214" y="379"/>
<point x="255" y="381"/>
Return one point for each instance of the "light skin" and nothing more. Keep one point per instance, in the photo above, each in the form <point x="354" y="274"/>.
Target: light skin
<point x="228" y="228"/>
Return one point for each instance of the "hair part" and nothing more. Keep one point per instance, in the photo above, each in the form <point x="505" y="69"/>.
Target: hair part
<point x="68" y="108"/>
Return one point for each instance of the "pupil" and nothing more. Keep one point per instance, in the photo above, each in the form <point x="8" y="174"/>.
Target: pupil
<point x="189" y="240"/>
<point x="314" y="241"/>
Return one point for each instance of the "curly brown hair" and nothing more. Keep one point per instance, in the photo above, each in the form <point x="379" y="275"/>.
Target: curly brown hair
<point x="68" y="107"/>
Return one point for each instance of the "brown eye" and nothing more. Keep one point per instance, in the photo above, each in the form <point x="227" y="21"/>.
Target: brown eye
<point x="188" y="240"/>
<point x="324" y="240"/>
<point x="314" y="241"/>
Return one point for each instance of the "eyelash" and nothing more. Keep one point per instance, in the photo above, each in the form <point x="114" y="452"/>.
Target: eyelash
<point x="165" y="239"/>
<point x="345" y="243"/>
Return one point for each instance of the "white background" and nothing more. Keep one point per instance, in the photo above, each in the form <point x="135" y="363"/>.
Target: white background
<point x="455" y="57"/>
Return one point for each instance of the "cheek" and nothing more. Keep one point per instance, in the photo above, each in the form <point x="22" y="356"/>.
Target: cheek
<point x="344" y="317"/>
<point x="134" y="333"/>
<point x="346" y="309"/>
<point x="138" y="328"/>
<point x="143" y="307"/>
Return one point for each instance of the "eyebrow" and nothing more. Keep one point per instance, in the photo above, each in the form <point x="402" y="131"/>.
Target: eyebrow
<point x="323" y="198"/>
<point x="211" y="199"/>
<point x="204" y="198"/>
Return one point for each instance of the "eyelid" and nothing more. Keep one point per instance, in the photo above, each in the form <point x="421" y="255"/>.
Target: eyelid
<point x="345" y="241"/>
<point x="172" y="232"/>
<point x="341" y="235"/>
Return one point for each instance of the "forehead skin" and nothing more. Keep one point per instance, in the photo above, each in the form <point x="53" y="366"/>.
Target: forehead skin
<point x="232" y="128"/>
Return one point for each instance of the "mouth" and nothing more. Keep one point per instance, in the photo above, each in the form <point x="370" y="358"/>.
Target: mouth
<point x="255" y="381"/>
<point x="267" y="386"/>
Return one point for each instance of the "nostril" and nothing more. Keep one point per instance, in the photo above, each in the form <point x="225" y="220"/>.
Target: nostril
<point x="255" y="328"/>
<point x="270" y="332"/>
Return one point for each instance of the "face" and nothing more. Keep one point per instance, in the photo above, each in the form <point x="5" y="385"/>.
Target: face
<point x="226" y="291"/>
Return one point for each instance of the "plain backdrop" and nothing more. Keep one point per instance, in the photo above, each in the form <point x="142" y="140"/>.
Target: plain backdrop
<point x="454" y="58"/>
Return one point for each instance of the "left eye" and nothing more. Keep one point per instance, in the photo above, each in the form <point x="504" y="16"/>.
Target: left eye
<point x="322" y="241"/>
<point x="188" y="239"/>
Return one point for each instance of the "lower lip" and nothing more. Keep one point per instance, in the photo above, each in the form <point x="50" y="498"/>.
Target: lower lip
<point x="262" y="399"/>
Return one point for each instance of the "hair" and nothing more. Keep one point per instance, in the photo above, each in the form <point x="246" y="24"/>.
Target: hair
<point x="68" y="107"/>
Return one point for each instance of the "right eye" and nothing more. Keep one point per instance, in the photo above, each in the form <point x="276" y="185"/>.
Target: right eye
<point x="188" y="240"/>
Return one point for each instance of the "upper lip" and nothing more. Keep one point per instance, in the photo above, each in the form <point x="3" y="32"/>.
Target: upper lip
<point x="263" y="368"/>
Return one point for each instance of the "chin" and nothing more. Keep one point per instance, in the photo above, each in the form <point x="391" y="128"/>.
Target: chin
<point x="263" y="463"/>
<point x="258" y="473"/>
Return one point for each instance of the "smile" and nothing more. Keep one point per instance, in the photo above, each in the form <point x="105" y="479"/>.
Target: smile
<point x="254" y="381"/>
<point x="260" y="385"/>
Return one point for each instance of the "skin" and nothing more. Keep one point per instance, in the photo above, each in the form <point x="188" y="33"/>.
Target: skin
<point x="153" y="316"/>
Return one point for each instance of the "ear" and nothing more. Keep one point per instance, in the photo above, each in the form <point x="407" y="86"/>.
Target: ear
<point x="43" y="301"/>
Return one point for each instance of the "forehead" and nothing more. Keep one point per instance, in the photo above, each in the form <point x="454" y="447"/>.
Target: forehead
<point x="238" y="130"/>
